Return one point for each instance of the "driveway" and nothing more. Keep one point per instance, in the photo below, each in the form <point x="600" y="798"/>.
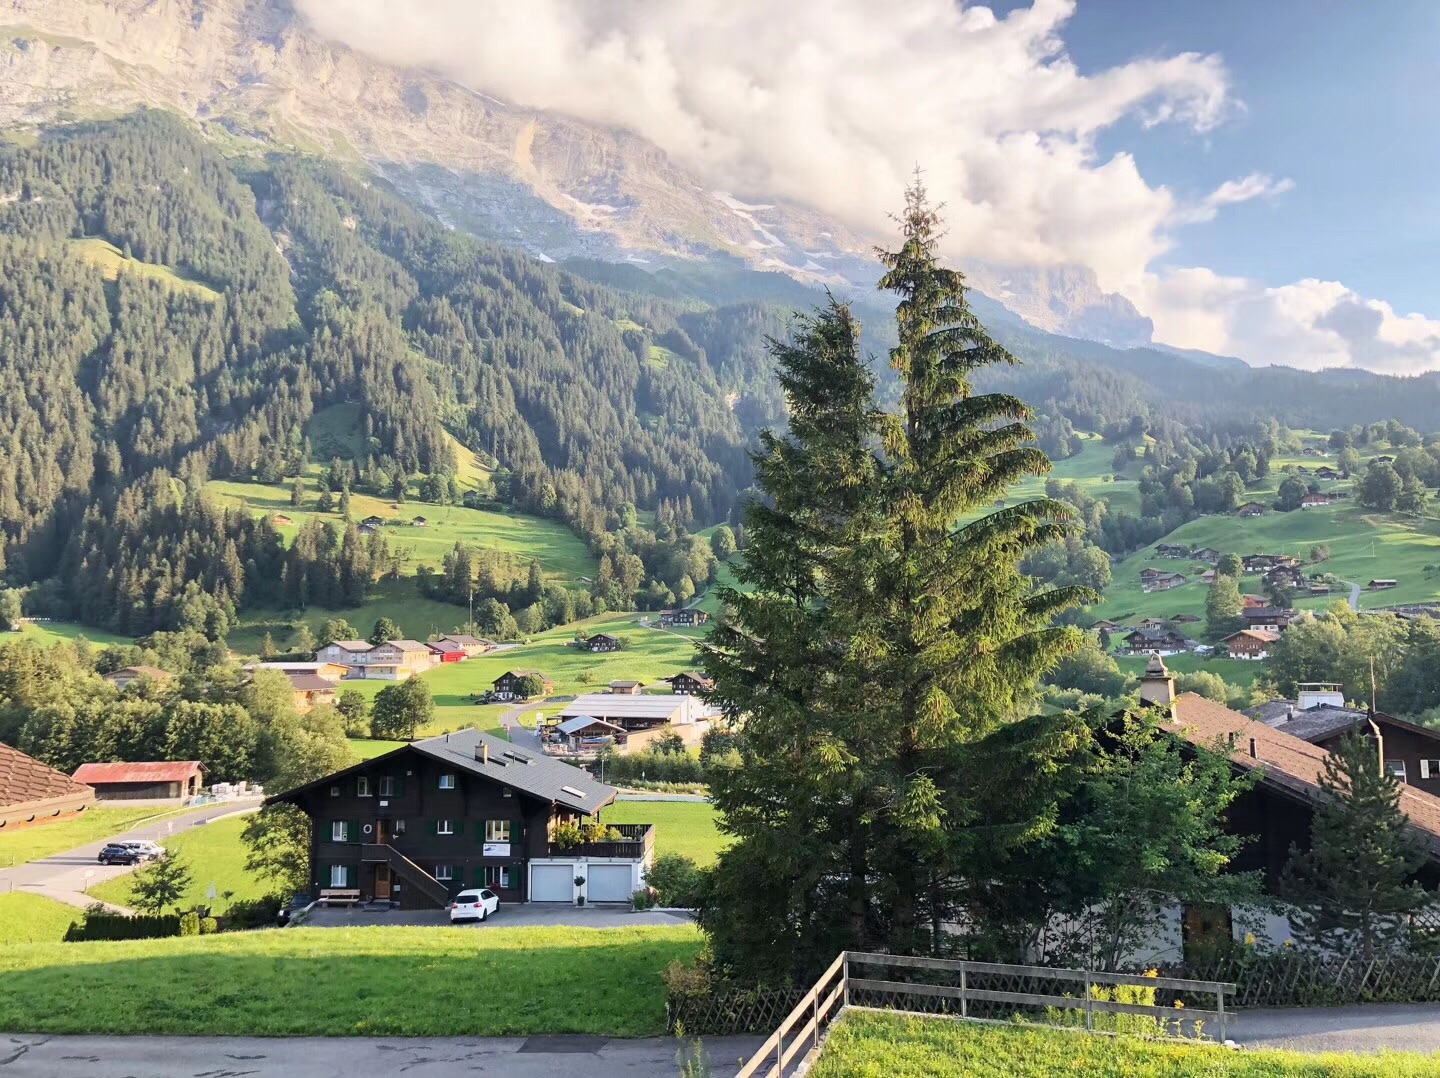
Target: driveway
<point x="38" y="1056"/>
<point x="1410" y="1027"/>
<point x="65" y="876"/>
<point x="511" y="915"/>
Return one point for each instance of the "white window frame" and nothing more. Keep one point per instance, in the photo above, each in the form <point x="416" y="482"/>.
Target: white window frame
<point x="1430" y="769"/>
<point x="334" y="791"/>
<point x="362" y="786"/>
<point x="338" y="830"/>
<point x="444" y="873"/>
<point x="399" y="827"/>
<point x="497" y="877"/>
<point x="386" y="786"/>
<point x="343" y="871"/>
<point x="497" y="830"/>
<point x="444" y="827"/>
<point x="447" y="782"/>
<point x="1396" y="768"/>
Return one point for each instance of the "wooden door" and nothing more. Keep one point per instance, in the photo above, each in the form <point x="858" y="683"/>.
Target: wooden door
<point x="382" y="881"/>
<point x="382" y="832"/>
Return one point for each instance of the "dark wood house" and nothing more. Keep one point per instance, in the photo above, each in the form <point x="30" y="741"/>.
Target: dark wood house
<point x="1411" y="753"/>
<point x="688" y="616"/>
<point x="506" y="686"/>
<point x="602" y="642"/>
<point x="417" y="825"/>
<point x="688" y="683"/>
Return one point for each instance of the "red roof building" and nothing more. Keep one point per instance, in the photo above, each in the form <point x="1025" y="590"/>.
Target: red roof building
<point x="144" y="780"/>
<point x="33" y="793"/>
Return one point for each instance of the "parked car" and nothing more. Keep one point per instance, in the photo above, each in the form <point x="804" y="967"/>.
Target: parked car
<point x="115" y="854"/>
<point x="474" y="905"/>
<point x="151" y="851"/>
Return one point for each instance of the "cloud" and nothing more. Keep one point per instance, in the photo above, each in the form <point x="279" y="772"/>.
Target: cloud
<point x="1311" y="324"/>
<point x="1230" y="193"/>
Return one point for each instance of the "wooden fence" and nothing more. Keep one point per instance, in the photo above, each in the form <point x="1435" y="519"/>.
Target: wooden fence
<point x="987" y="992"/>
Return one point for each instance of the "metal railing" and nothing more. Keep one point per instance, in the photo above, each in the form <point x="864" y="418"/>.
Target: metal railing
<point x="990" y="992"/>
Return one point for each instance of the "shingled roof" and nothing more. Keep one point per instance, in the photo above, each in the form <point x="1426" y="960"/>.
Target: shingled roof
<point x="24" y="780"/>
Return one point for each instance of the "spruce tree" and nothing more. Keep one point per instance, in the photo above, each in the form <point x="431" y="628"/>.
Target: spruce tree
<point x="1223" y="607"/>
<point x="297" y="492"/>
<point x="1353" y="886"/>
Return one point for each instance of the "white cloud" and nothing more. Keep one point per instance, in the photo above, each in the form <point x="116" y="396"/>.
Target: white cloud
<point x="1231" y="192"/>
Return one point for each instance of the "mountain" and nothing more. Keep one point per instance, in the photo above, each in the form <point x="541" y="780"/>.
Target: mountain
<point x="560" y="188"/>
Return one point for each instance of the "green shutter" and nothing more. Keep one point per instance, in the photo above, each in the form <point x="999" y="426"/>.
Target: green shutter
<point x="480" y="831"/>
<point x="352" y="831"/>
<point x="433" y="826"/>
<point x="399" y="785"/>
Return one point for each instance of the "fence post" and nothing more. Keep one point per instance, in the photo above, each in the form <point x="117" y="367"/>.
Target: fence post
<point x="1220" y="1011"/>
<point x="964" y="997"/>
<point x="815" y="1014"/>
<point x="780" y="1053"/>
<point x="845" y="973"/>
<point x="1089" y="1007"/>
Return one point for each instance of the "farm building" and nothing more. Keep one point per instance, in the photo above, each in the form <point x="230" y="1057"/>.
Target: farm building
<point x="33" y="793"/>
<point x="1382" y="584"/>
<point x="1161" y="581"/>
<point x="1250" y="643"/>
<point x="1310" y="501"/>
<point x="1157" y="641"/>
<point x="396" y="660"/>
<point x="1250" y="509"/>
<point x="584" y="732"/>
<point x="472" y="645"/>
<point x="1206" y="553"/>
<point x="1268" y="617"/>
<point x="636" y="712"/>
<point x="688" y="616"/>
<point x="327" y="670"/>
<point x="158" y="780"/>
<point x="447" y="651"/>
<point x="123" y="679"/>
<point x="626" y="688"/>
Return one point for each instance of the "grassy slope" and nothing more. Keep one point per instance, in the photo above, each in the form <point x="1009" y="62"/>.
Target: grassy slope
<point x="27" y="918"/>
<point x="112" y="262"/>
<point x="33" y="843"/>
<point x="868" y="1045"/>
<point x="683" y="827"/>
<point x="46" y="633"/>
<point x="214" y="854"/>
<point x="388" y="981"/>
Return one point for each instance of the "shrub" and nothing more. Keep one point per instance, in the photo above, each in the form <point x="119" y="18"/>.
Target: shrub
<point x="677" y="880"/>
<point x="190" y="924"/>
<point x="209" y="926"/>
<point x="253" y="913"/>
<point x="100" y="925"/>
<point x="567" y="835"/>
<point x="643" y="899"/>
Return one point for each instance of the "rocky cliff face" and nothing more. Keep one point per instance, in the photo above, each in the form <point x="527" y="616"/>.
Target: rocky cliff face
<point x="251" y="72"/>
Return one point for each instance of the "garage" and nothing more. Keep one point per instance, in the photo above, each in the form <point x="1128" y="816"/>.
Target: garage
<point x="552" y="883"/>
<point x="611" y="883"/>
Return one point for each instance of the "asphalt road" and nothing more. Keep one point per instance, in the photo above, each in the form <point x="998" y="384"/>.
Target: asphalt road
<point x="1369" y="1028"/>
<point x="65" y="876"/>
<point x="355" y="1057"/>
<point x="509" y="915"/>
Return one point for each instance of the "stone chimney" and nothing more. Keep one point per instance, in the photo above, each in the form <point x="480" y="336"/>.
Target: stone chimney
<point x="1157" y="687"/>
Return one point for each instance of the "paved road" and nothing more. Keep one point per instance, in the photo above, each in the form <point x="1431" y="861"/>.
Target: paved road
<point x="1369" y="1028"/>
<point x="1354" y="594"/>
<point x="510" y="915"/>
<point x="38" y="1056"/>
<point x="63" y="876"/>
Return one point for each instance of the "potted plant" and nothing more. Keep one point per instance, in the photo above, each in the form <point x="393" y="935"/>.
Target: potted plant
<point x="580" y="895"/>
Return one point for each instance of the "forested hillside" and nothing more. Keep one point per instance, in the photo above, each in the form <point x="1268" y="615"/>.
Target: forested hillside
<point x="170" y="315"/>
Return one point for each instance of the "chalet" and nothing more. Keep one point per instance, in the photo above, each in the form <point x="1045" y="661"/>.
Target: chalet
<point x="507" y="685"/>
<point x="327" y="670"/>
<point x="396" y="660"/>
<point x="1384" y="458"/>
<point x="1327" y="474"/>
<point x="1250" y="509"/>
<point x="123" y="679"/>
<point x="1208" y="576"/>
<point x="1162" y="581"/>
<point x="1411" y="753"/>
<point x="472" y="645"/>
<point x="415" y="826"/>
<point x="1318" y="589"/>
<point x="601" y="642"/>
<point x="688" y="616"/>
<point x="626" y="688"/>
<point x="687" y="683"/>
<point x="1259" y="563"/>
<point x="1151" y="623"/>
<point x="636" y="712"/>
<point x="281" y="518"/>
<point x="1250" y="643"/>
<point x="1185" y="619"/>
<point x="373" y="522"/>
<point x="1206" y="553"/>
<point x="1311" y="451"/>
<point x="584" y="733"/>
<point x="1268" y="617"/>
<point x="354" y="655"/>
<point x="33" y="793"/>
<point x="419" y="522"/>
<point x="447" y="651"/>
<point x="1285" y="576"/>
<point x="1106" y="626"/>
<point x="1311" y="501"/>
<point x="1157" y="641"/>
<point x="158" y="780"/>
<point x="311" y="689"/>
<point x="1171" y="550"/>
<point x="1250" y="602"/>
<point x="1382" y="584"/>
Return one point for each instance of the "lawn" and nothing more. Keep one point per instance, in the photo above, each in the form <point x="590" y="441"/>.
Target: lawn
<point x="37" y="841"/>
<point x="46" y="633"/>
<point x="384" y="981"/>
<point x="214" y="854"/>
<point x="869" y="1045"/>
<point x="1234" y="671"/>
<point x="684" y="827"/>
<point x="27" y="918"/>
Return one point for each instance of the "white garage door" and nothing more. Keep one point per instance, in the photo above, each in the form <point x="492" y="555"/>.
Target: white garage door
<point x="610" y="883"/>
<point x="552" y="883"/>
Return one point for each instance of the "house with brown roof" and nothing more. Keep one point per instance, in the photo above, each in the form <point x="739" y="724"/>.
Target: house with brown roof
<point x="689" y="683"/>
<point x="124" y="678"/>
<point x="158" y="780"/>
<point x="507" y="685"/>
<point x="396" y="660"/>
<point x="472" y="645"/>
<point x="311" y="689"/>
<point x="1250" y="509"/>
<point x="35" y="793"/>
<point x="1161" y="581"/>
<point x="1250" y="643"/>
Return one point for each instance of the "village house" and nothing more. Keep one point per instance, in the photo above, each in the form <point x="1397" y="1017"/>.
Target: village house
<point x="689" y="683"/>
<point x="327" y="670"/>
<point x="32" y="793"/>
<point x="507" y="685"/>
<point x="372" y="522"/>
<point x="688" y="616"/>
<point x="1250" y="643"/>
<point x="1327" y="474"/>
<point x="472" y="645"/>
<point x="1250" y="509"/>
<point x="417" y="825"/>
<point x="1382" y="584"/>
<point x="1268" y="617"/>
<point x="1161" y="581"/>
<point x="1285" y="576"/>
<point x="1171" y="550"/>
<point x="1185" y="619"/>
<point x="446" y="651"/>
<point x="397" y="660"/>
<point x="354" y="655"/>
<point x="146" y="780"/>
<point x="311" y="689"/>
<point x="1106" y="626"/>
<point x="1310" y="501"/>
<point x="1318" y="589"/>
<point x="1162" y="641"/>
<point x="626" y="688"/>
<point x="584" y="734"/>
<point x="282" y="519"/>
<point x="1208" y="576"/>
<point x="124" y="678"/>
<point x="1206" y="553"/>
<point x="601" y="642"/>
<point x="637" y="712"/>
<point x="1250" y="602"/>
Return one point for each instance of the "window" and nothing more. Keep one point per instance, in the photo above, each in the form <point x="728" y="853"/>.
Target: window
<point x="1396" y="768"/>
<point x="387" y="787"/>
<point x="334" y="791"/>
<point x="362" y="787"/>
<point x="339" y="876"/>
<point x="444" y="827"/>
<point x="497" y="876"/>
<point x="1430" y="769"/>
<point x="497" y="830"/>
<point x="337" y="831"/>
<point x="507" y="792"/>
<point x="447" y="782"/>
<point x="399" y="827"/>
<point x="444" y="872"/>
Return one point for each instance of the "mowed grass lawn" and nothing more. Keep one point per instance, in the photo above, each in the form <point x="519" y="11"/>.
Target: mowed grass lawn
<point x="683" y="827"/>
<point x="869" y="1045"/>
<point x="214" y="854"/>
<point x="384" y="981"/>
<point x="27" y="918"/>
<point x="41" y="840"/>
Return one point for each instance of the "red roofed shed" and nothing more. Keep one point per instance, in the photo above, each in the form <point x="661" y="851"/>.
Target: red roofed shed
<point x="150" y="779"/>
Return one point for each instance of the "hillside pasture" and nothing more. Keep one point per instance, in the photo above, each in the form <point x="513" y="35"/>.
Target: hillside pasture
<point x="112" y="262"/>
<point x="214" y="854"/>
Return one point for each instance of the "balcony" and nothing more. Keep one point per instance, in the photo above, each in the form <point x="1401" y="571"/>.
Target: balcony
<point x="637" y="844"/>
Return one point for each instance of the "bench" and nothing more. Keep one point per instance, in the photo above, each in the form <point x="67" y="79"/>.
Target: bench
<point x="340" y="896"/>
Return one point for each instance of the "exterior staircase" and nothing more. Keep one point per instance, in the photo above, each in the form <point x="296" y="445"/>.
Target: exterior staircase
<point x="407" y="870"/>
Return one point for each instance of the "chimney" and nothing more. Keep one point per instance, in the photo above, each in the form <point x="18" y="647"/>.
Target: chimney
<point x="482" y="752"/>
<point x="1253" y="754"/>
<point x="1157" y="687"/>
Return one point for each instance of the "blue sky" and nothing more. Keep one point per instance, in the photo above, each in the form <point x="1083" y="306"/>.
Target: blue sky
<point x="1341" y="97"/>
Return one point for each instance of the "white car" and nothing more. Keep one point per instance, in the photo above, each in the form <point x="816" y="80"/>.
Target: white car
<point x="474" y="905"/>
<point x="147" y="849"/>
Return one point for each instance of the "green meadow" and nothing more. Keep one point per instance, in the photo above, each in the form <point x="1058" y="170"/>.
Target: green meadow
<point x="215" y="855"/>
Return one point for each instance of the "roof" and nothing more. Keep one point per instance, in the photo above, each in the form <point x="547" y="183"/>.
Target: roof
<point x="1267" y="612"/>
<point x="304" y="681"/>
<point x="624" y="684"/>
<point x="462" y="638"/>
<point x="584" y="722"/>
<point x="529" y="772"/>
<point x="520" y="673"/>
<point x="604" y="705"/>
<point x="404" y="645"/>
<point x="1268" y="636"/>
<point x="351" y="645"/>
<point x="1289" y="763"/>
<point x="1272" y="712"/>
<point x="24" y="779"/>
<point x="691" y="674"/>
<point x="445" y="646"/>
<point x="295" y="668"/>
<point x="602" y="636"/>
<point x="142" y="771"/>
<point x="142" y="671"/>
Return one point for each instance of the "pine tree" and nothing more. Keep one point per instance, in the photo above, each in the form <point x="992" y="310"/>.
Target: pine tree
<point x="297" y="492"/>
<point x="1223" y="608"/>
<point x="304" y="641"/>
<point x="1353" y="885"/>
<point x="267" y="647"/>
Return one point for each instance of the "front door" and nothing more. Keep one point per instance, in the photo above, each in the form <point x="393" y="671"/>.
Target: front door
<point x="382" y="832"/>
<point x="382" y="881"/>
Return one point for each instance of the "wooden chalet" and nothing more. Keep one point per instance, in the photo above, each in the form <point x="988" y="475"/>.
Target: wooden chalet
<point x="690" y="683"/>
<point x="601" y="642"/>
<point x="1250" y="643"/>
<point x="33" y="793"/>
<point x="507" y="685"/>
